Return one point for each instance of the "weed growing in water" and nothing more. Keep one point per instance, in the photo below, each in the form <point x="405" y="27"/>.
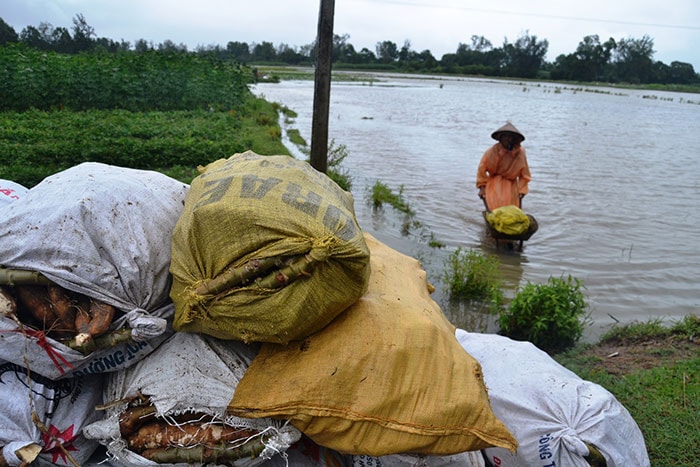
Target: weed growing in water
<point x="473" y="275"/>
<point x="381" y="194"/>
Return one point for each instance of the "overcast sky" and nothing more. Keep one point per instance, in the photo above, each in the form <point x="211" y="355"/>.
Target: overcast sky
<point x="436" y="25"/>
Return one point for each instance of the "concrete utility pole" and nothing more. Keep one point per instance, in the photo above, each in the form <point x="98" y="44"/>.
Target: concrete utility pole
<point x="322" y="86"/>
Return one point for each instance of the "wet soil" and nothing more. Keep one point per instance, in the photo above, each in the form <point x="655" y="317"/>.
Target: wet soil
<point x="625" y="356"/>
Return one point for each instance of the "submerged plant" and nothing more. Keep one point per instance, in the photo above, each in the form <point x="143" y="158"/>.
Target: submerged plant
<point x="381" y="193"/>
<point x="473" y="275"/>
<point x="552" y="316"/>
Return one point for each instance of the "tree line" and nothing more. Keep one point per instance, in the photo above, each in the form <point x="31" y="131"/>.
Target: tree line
<point x="626" y="60"/>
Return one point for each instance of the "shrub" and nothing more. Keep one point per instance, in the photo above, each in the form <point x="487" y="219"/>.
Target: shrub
<point x="473" y="275"/>
<point x="552" y="316"/>
<point x="336" y="156"/>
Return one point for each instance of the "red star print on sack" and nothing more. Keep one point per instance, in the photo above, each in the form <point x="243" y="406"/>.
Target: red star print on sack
<point x="54" y="448"/>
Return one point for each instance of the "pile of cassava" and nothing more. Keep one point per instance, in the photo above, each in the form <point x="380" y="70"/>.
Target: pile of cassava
<point x="247" y="320"/>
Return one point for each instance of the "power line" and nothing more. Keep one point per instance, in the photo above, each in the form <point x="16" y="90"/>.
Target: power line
<point x="540" y="15"/>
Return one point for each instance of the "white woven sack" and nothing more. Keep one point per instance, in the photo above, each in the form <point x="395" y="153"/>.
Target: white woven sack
<point x="551" y="411"/>
<point x="104" y="232"/>
<point x="11" y="191"/>
<point x="64" y="407"/>
<point x="189" y="372"/>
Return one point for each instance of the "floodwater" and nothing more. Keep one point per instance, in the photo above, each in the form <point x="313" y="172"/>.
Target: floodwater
<point x="615" y="183"/>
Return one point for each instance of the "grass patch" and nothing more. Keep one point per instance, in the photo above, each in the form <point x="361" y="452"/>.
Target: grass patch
<point x="654" y="371"/>
<point x="37" y="144"/>
<point x="296" y="138"/>
<point x="469" y="274"/>
<point x="686" y="329"/>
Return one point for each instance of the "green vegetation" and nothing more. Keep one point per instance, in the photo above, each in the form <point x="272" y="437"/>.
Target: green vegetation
<point x="296" y="138"/>
<point x="37" y="144"/>
<point x="626" y="60"/>
<point x="336" y="156"/>
<point x="381" y="194"/>
<point x="32" y="79"/>
<point x="552" y="316"/>
<point x="472" y="275"/>
<point x="164" y="111"/>
<point x="654" y="371"/>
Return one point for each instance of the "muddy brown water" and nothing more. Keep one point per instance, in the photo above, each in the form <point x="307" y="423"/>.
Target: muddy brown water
<point x="615" y="186"/>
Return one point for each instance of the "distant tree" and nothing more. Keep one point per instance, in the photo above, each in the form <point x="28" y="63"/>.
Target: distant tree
<point x="340" y="44"/>
<point x="46" y="35"/>
<point x="367" y="56"/>
<point x="563" y="67"/>
<point x="423" y="61"/>
<point x="348" y="54"/>
<point x="633" y="59"/>
<point x="83" y="34"/>
<point x="591" y="58"/>
<point x="480" y="44"/>
<point x="239" y="51"/>
<point x="264" y="52"/>
<point x="465" y="55"/>
<point x="387" y="52"/>
<point x="7" y="33"/>
<point x="142" y="45"/>
<point x="308" y="50"/>
<point x="682" y="73"/>
<point x="590" y="61"/>
<point x="170" y="46"/>
<point x="288" y="54"/>
<point x="525" y="57"/>
<point x="660" y="73"/>
<point x="62" y="40"/>
<point x="31" y="37"/>
<point x="477" y="57"/>
<point x="405" y="52"/>
<point x="448" y="63"/>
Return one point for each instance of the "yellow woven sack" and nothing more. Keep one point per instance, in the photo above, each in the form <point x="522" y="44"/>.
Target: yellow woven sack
<point x="510" y="220"/>
<point x="387" y="376"/>
<point x="267" y="249"/>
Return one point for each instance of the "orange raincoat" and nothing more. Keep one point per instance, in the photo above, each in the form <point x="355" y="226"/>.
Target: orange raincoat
<point x="505" y="175"/>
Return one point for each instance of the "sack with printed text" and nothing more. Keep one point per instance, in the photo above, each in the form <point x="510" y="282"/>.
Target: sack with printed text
<point x="558" y="418"/>
<point x="84" y="258"/>
<point x="387" y="376"/>
<point x="11" y="191"/>
<point x="267" y="249"/>
<point x="41" y="420"/>
<point x="169" y="409"/>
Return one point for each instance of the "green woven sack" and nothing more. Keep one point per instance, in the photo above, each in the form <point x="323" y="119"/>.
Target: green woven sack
<point x="267" y="249"/>
<point x="509" y="220"/>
